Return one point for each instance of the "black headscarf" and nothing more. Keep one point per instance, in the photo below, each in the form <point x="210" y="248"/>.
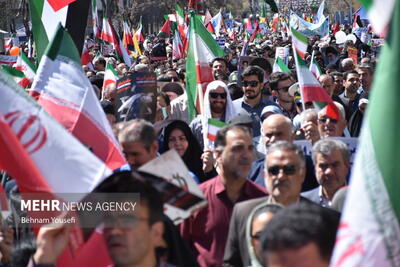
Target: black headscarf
<point x="192" y="156"/>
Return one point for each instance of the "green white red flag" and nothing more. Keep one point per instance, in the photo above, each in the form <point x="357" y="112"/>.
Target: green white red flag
<point x="312" y="91"/>
<point x="23" y="64"/>
<point x="63" y="90"/>
<point x="110" y="76"/>
<point x="202" y="50"/>
<point x="213" y="127"/>
<point x="315" y="68"/>
<point x="369" y="230"/>
<point x="177" y="46"/>
<point x="17" y="75"/>
<point x="280" y="66"/>
<point x="300" y="42"/>
<point x="95" y="21"/>
<point x="138" y="34"/>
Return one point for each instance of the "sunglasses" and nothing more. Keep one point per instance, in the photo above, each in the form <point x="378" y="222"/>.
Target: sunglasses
<point x="324" y="120"/>
<point x="216" y="95"/>
<point x="287" y="169"/>
<point x="250" y="83"/>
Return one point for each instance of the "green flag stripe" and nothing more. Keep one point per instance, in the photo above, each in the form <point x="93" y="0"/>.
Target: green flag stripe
<point x="217" y="123"/>
<point x="367" y="3"/>
<point x="39" y="32"/>
<point x="13" y="72"/>
<point x="300" y="61"/>
<point x="383" y="115"/>
<point x="282" y="65"/>
<point x="62" y="44"/>
<point x="27" y="61"/>
<point x="299" y="36"/>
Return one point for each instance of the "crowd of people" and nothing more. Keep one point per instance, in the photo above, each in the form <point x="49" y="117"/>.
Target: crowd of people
<point x="269" y="202"/>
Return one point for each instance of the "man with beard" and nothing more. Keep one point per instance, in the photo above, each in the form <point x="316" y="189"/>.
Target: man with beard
<point x="350" y="97"/>
<point x="219" y="66"/>
<point x="207" y="229"/>
<point x="252" y="101"/>
<point x="218" y="105"/>
<point x="280" y="83"/>
<point x="284" y="173"/>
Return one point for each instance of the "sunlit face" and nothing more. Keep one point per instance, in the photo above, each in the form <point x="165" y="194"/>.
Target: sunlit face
<point x="178" y="141"/>
<point x="252" y="87"/>
<point x="283" y="91"/>
<point x="219" y="68"/>
<point x="137" y="154"/>
<point x="331" y="170"/>
<point x="217" y="98"/>
<point x="352" y="83"/>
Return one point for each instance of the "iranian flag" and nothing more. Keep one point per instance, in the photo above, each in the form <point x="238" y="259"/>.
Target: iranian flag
<point x="138" y="34"/>
<point x="369" y="231"/>
<point x="300" y="42"/>
<point x="17" y="75"/>
<point x="202" y="50"/>
<point x="311" y="89"/>
<point x="213" y="127"/>
<point x="182" y="27"/>
<point x="47" y="14"/>
<point x="379" y="13"/>
<point x="127" y="38"/>
<point x="29" y="70"/>
<point x="110" y="76"/>
<point x="86" y="58"/>
<point x="280" y="66"/>
<point x="64" y="91"/>
<point x="95" y="21"/>
<point x="38" y="152"/>
<point x="109" y="35"/>
<point x="177" y="46"/>
<point x="165" y="30"/>
<point x="314" y="67"/>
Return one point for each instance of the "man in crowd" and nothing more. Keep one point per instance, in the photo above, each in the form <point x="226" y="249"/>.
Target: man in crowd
<point x="329" y="127"/>
<point x="206" y="230"/>
<point x="300" y="235"/>
<point x="284" y="175"/>
<point x="350" y="97"/>
<point x="219" y="66"/>
<point x="139" y="142"/>
<point x="280" y="83"/>
<point x="366" y="75"/>
<point x="252" y="100"/>
<point x="217" y="105"/>
<point x="332" y="162"/>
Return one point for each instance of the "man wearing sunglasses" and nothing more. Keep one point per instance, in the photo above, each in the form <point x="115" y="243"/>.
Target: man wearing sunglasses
<point x="252" y="101"/>
<point x="280" y="83"/>
<point x="329" y="127"/>
<point x="218" y="105"/>
<point x="284" y="173"/>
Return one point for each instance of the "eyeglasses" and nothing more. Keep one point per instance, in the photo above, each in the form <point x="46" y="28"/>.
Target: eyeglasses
<point x="287" y="169"/>
<point x="324" y="120"/>
<point x="250" y="83"/>
<point x="216" y="95"/>
<point x="284" y="89"/>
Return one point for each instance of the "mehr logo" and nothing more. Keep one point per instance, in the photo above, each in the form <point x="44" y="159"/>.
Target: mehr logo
<point x="27" y="127"/>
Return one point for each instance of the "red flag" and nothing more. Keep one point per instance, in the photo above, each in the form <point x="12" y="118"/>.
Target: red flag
<point x="165" y="29"/>
<point x="210" y="27"/>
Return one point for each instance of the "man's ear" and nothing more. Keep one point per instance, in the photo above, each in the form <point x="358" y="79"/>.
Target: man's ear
<point x="154" y="148"/>
<point x="157" y="232"/>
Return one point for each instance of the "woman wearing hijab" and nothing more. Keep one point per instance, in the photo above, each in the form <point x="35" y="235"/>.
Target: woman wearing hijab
<point x="177" y="135"/>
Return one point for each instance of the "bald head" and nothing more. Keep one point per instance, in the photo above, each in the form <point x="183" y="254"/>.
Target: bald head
<point x="277" y="127"/>
<point x="327" y="83"/>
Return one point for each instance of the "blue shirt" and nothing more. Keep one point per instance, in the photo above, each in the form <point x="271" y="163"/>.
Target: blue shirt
<point x="255" y="112"/>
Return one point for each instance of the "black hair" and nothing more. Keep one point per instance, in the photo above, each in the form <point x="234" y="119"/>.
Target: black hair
<point x="299" y="225"/>
<point x="277" y="77"/>
<point x="220" y="140"/>
<point x="347" y="73"/>
<point x="262" y="63"/>
<point x="219" y="59"/>
<point x="253" y="70"/>
<point x="22" y="251"/>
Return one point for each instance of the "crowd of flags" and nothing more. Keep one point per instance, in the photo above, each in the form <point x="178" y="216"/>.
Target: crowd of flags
<point x="66" y="119"/>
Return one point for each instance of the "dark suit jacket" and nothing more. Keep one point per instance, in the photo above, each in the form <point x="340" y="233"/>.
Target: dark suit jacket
<point x="312" y="195"/>
<point x="236" y="249"/>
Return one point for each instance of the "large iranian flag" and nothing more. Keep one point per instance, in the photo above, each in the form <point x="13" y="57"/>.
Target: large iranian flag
<point x="202" y="50"/>
<point x="38" y="151"/>
<point x="369" y="231"/>
<point x="47" y="14"/>
<point x="311" y="89"/>
<point x="64" y="91"/>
